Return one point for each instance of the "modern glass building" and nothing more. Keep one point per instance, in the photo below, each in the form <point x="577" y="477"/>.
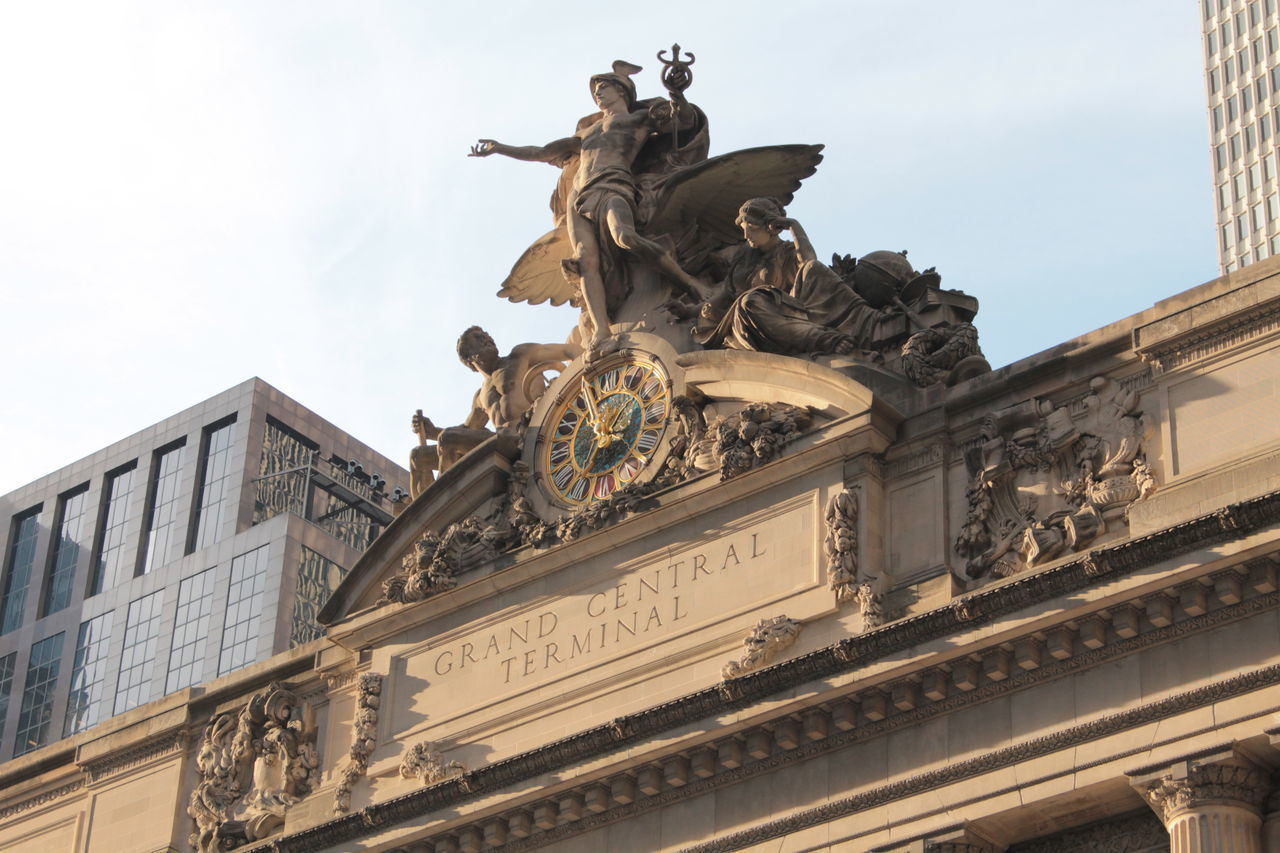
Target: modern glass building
<point x="198" y="546"/>
<point x="1242" y="78"/>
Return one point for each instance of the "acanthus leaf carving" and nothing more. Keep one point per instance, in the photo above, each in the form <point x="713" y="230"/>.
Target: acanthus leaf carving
<point x="1207" y="783"/>
<point x="841" y="544"/>
<point x="253" y="765"/>
<point x="364" y="737"/>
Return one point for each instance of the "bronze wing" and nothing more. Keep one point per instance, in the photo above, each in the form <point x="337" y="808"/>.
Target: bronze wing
<point x="709" y="193"/>
<point x="537" y="276"/>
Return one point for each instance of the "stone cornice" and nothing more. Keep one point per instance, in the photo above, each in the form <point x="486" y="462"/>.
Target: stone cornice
<point x="975" y="609"/>
<point x="137" y="755"/>
<point x="41" y="799"/>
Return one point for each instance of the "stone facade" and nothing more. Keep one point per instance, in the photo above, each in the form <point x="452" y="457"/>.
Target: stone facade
<point x="1119" y="694"/>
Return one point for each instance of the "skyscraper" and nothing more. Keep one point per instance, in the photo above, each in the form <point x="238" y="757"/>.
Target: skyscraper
<point x="1242" y="78"/>
<point x="193" y="548"/>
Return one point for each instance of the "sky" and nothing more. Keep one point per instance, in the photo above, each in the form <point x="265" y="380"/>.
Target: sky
<point x="195" y="193"/>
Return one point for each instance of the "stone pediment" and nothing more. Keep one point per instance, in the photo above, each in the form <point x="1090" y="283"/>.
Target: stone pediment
<point x="716" y="386"/>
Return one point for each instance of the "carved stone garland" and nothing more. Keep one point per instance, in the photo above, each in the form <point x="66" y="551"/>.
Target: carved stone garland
<point x="1045" y="485"/>
<point x="253" y="765"/>
<point x="364" y="736"/>
<point x="425" y="762"/>
<point x="763" y="644"/>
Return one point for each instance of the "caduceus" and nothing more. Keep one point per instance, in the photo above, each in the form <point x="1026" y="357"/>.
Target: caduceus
<point x="676" y="77"/>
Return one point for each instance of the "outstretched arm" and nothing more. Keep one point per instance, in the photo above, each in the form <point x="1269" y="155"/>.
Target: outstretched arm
<point x="552" y="152"/>
<point x="536" y="353"/>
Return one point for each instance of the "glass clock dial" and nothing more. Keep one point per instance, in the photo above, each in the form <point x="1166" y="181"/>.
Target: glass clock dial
<point x="608" y="429"/>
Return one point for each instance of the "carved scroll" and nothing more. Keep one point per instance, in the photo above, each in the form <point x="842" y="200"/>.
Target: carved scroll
<point x="253" y="765"/>
<point x="763" y="644"/>
<point x="424" y="762"/>
<point x="364" y="737"/>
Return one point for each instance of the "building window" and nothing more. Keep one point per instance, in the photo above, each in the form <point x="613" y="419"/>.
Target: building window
<point x="244" y="610"/>
<point x="1215" y="81"/>
<point x="17" y="576"/>
<point x="1242" y="60"/>
<point x="215" y="483"/>
<point x="1228" y="72"/>
<point x="1269" y="166"/>
<point x="141" y="634"/>
<point x="1273" y="40"/>
<point x="1224" y="196"/>
<point x="1258" y="221"/>
<point x="1220" y="156"/>
<point x="1259" y="55"/>
<point x="161" y="523"/>
<point x="1211" y="43"/>
<point x="1235" y="147"/>
<point x="1242" y="228"/>
<point x="1273" y="208"/>
<point x="1246" y="100"/>
<point x="1238" y="182"/>
<point x="114" y="526"/>
<point x="1264" y="127"/>
<point x="1233" y="108"/>
<point x="190" y="631"/>
<point x="1228" y="238"/>
<point x="37" y="696"/>
<point x="1253" y="14"/>
<point x="283" y="473"/>
<point x="1241" y="26"/>
<point x="1250" y="138"/>
<point x="1217" y="119"/>
<point x="1255" y="176"/>
<point x="7" y="664"/>
<point x="88" y="674"/>
<point x="317" y="579"/>
<point x="66" y="549"/>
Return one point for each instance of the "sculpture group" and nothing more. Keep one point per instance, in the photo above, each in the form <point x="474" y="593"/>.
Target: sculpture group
<point x="650" y="234"/>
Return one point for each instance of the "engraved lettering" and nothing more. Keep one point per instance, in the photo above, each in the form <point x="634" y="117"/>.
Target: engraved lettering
<point x="467" y="649"/>
<point x="732" y="554"/>
<point x="543" y="627"/>
<point x="700" y="565"/>
<point x="524" y="638"/>
<point x="553" y="654"/>
<point x="653" y="617"/>
<point x="591" y="611"/>
<point x="755" y="550"/>
<point x="506" y="662"/>
<point x="440" y="658"/>
<point x="579" y="646"/>
<point x="529" y="661"/>
<point x="621" y="626"/>
<point x="620" y="596"/>
<point x="652" y="587"/>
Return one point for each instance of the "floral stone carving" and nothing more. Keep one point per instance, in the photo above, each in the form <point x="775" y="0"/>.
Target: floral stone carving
<point x="364" y="737"/>
<point x="841" y="544"/>
<point x="762" y="645"/>
<point x="1045" y="484"/>
<point x="424" y="762"/>
<point x="253" y="765"/>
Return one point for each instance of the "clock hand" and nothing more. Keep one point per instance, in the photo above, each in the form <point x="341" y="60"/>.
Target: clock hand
<point x="592" y="411"/>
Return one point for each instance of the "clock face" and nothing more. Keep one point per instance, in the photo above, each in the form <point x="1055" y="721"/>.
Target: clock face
<point x="607" y="430"/>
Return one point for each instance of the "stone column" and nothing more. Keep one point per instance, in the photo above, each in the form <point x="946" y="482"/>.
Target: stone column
<point x="1271" y="817"/>
<point x="1209" y="808"/>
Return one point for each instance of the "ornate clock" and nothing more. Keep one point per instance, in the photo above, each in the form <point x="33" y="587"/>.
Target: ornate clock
<point x="605" y="428"/>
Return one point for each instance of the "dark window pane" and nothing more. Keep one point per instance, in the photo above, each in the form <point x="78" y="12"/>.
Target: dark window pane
<point x="163" y="513"/>
<point x="282" y="476"/>
<point x="37" y="696"/>
<point x="215" y="484"/>
<point x="17" y="576"/>
<point x="190" y="631"/>
<point x="113" y="538"/>
<point x="141" y="636"/>
<point x="67" y="545"/>
<point x="88" y="673"/>
<point x="244" y="610"/>
<point x="317" y="578"/>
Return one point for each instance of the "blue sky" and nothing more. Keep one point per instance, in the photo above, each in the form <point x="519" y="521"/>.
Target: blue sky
<point x="192" y="194"/>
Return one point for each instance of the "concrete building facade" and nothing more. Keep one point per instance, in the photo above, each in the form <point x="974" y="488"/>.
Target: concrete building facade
<point x="191" y="549"/>
<point x="1242" y="79"/>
